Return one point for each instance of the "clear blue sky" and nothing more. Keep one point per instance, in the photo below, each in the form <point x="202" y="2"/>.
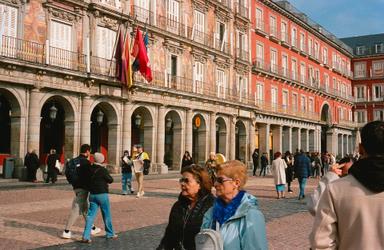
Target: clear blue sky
<point x="345" y="18"/>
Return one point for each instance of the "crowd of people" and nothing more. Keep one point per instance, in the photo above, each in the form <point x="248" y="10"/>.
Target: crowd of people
<point x="213" y="197"/>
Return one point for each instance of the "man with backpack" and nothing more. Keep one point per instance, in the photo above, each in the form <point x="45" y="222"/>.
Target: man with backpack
<point x="78" y="173"/>
<point x="141" y="169"/>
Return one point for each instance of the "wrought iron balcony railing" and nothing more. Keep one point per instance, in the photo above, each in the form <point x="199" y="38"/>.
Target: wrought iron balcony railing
<point x="242" y="11"/>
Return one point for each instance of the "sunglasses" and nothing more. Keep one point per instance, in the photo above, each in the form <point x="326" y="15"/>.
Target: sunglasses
<point x="184" y="180"/>
<point x="221" y="180"/>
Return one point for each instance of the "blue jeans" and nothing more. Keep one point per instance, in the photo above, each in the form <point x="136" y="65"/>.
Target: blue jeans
<point x="126" y="179"/>
<point x="96" y="201"/>
<point x="302" y="184"/>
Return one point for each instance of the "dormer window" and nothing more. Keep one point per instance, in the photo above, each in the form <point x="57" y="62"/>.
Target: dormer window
<point x="379" y="48"/>
<point x="360" y="50"/>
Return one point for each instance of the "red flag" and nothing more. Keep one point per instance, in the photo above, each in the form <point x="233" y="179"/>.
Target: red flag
<point x="140" y="53"/>
<point x="119" y="58"/>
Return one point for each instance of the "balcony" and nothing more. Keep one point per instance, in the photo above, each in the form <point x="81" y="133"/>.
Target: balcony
<point x="273" y="34"/>
<point x="242" y="12"/>
<point x="222" y="46"/>
<point x="294" y="45"/>
<point x="284" y="39"/>
<point x="143" y="15"/>
<point x="260" y="27"/>
<point x="22" y="50"/>
<point x="303" y="49"/>
<point x="243" y="55"/>
<point x="225" y="3"/>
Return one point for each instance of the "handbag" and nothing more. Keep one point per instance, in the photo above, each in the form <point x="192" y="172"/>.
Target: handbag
<point x="209" y="239"/>
<point x="58" y="166"/>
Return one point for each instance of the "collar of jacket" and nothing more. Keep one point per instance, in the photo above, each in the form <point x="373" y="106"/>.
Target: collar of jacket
<point x="247" y="202"/>
<point x="370" y="173"/>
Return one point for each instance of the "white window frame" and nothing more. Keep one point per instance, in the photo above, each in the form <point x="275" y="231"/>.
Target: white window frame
<point x="274" y="97"/>
<point x="294" y="36"/>
<point x="295" y="101"/>
<point x="377" y="92"/>
<point x="198" y="83"/>
<point x="273" y="26"/>
<point x="303" y="103"/>
<point x="273" y="60"/>
<point x="259" y="55"/>
<point x="259" y="94"/>
<point x="285" y="99"/>
<point x="199" y="26"/>
<point x="378" y="114"/>
<point x="260" y="19"/>
<point x="360" y="69"/>
<point x="325" y="56"/>
<point x="221" y="83"/>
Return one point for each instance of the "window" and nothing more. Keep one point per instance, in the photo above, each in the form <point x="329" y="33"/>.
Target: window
<point x="199" y="26"/>
<point x="317" y="77"/>
<point x="284" y="32"/>
<point x="294" y="69"/>
<point x="378" y="92"/>
<point x="310" y="105"/>
<point x="302" y="73"/>
<point x="310" y="46"/>
<point x="360" y="93"/>
<point x="334" y="83"/>
<point x="326" y="82"/>
<point x="172" y="69"/>
<point x="105" y="40"/>
<point x="294" y="101"/>
<point x="61" y="44"/>
<point x="273" y="26"/>
<point x="242" y="46"/>
<point x="113" y="3"/>
<point x="285" y="99"/>
<point x="242" y="86"/>
<point x="303" y="103"/>
<point x="360" y="50"/>
<point x="259" y="93"/>
<point x="317" y="52"/>
<point x="220" y="36"/>
<point x="274" y="98"/>
<point x="379" y="48"/>
<point x="325" y="56"/>
<point x="259" y="55"/>
<point x="377" y="68"/>
<point x="294" y="37"/>
<point x="259" y="19"/>
<point x="199" y="78"/>
<point x="142" y="10"/>
<point x="360" y="116"/>
<point x="311" y="75"/>
<point x="360" y="69"/>
<point x="274" y="66"/>
<point x="378" y="115"/>
<point x="173" y="16"/>
<point x="302" y="42"/>
<point x="284" y="65"/>
<point x="221" y="83"/>
<point x="8" y="21"/>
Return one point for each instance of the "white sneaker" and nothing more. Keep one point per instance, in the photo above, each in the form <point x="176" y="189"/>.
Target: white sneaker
<point x="142" y="193"/>
<point x="66" y="235"/>
<point x="95" y="231"/>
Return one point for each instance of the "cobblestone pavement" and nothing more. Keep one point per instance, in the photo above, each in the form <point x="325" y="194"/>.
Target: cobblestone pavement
<point x="34" y="217"/>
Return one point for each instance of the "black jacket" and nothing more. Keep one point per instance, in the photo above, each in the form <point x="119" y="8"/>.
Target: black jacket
<point x="186" y="162"/>
<point x="100" y="178"/>
<point x="51" y="162"/>
<point x="126" y="167"/>
<point x="370" y="173"/>
<point x="84" y="173"/>
<point x="31" y="161"/>
<point x="184" y="224"/>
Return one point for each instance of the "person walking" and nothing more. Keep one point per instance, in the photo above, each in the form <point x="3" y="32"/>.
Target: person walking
<point x="240" y="222"/>
<point x="98" y="198"/>
<point x="210" y="165"/>
<point x="289" y="170"/>
<point x="31" y="162"/>
<point x="81" y="167"/>
<point x="255" y="159"/>
<point x="126" y="173"/>
<point x="264" y="163"/>
<point x="350" y="211"/>
<point x="141" y="159"/>
<point x="51" y="164"/>
<point x="318" y="166"/>
<point x="187" y="160"/>
<point x="278" y="170"/>
<point x="302" y="168"/>
<point x="187" y="213"/>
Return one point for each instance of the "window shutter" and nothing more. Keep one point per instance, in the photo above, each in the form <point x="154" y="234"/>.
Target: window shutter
<point x="8" y="21"/>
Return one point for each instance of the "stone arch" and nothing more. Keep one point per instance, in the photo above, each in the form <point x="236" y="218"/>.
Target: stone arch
<point x="221" y="136"/>
<point x="241" y="141"/>
<point x="104" y="132"/>
<point x="12" y="122"/>
<point x="199" y="138"/>
<point x="173" y="139"/>
<point x="58" y="133"/>
<point x="326" y="114"/>
<point x="142" y="132"/>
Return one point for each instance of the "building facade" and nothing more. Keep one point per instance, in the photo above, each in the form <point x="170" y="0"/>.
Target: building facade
<point x="368" y="81"/>
<point x="213" y="88"/>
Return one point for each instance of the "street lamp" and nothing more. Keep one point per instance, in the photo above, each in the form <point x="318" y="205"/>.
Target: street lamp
<point x="99" y="117"/>
<point x="138" y="120"/>
<point x="236" y="130"/>
<point x="217" y="127"/>
<point x="53" y="112"/>
<point x="168" y="123"/>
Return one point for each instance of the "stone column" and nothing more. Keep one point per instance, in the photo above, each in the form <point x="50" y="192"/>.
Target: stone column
<point x="232" y="134"/>
<point x="127" y="127"/>
<point x="264" y="138"/>
<point x="277" y="132"/>
<point x="86" y="120"/>
<point x="332" y="142"/>
<point x="299" y="145"/>
<point x="251" y="140"/>
<point x="307" y="139"/>
<point x="34" y="120"/>
<point x="113" y="144"/>
<point x="188" y="131"/>
<point x="160" y="138"/>
<point x="212" y="132"/>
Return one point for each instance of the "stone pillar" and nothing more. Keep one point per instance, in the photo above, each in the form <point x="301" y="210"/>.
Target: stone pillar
<point x="232" y="134"/>
<point x="277" y="132"/>
<point x="299" y="145"/>
<point x="212" y="133"/>
<point x="86" y="120"/>
<point x="264" y="138"/>
<point x="251" y="140"/>
<point x="332" y="142"/>
<point x="113" y="144"/>
<point x="34" y="120"/>
<point x="127" y="127"/>
<point x="307" y="139"/>
<point x="303" y="140"/>
<point x="188" y="131"/>
<point x="160" y="137"/>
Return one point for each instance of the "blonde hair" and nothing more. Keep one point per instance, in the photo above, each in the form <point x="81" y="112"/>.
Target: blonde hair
<point x="234" y="169"/>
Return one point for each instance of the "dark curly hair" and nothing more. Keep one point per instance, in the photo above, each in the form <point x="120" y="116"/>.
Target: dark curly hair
<point x="201" y="176"/>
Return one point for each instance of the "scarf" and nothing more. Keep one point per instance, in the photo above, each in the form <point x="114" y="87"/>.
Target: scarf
<point x="222" y="211"/>
<point x="370" y="173"/>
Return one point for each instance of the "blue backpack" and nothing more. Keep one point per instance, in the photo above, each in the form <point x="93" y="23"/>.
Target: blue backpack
<point x="71" y="170"/>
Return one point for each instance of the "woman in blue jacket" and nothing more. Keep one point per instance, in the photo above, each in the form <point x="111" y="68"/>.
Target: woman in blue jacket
<point x="242" y="225"/>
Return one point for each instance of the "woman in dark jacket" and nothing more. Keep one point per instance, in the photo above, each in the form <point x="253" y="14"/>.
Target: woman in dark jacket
<point x="98" y="188"/>
<point x="51" y="163"/>
<point x="187" y="213"/>
<point x="289" y="170"/>
<point x="187" y="160"/>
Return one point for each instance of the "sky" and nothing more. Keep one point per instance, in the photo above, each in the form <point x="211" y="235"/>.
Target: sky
<point x="345" y="18"/>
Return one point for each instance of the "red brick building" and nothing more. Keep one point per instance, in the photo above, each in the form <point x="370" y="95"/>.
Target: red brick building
<point x="302" y="78"/>
<point x="368" y="81"/>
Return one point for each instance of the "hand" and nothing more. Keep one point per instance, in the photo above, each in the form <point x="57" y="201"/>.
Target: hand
<point x="336" y="168"/>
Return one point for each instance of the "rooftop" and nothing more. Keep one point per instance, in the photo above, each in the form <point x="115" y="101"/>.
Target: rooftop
<point x="366" y="45"/>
